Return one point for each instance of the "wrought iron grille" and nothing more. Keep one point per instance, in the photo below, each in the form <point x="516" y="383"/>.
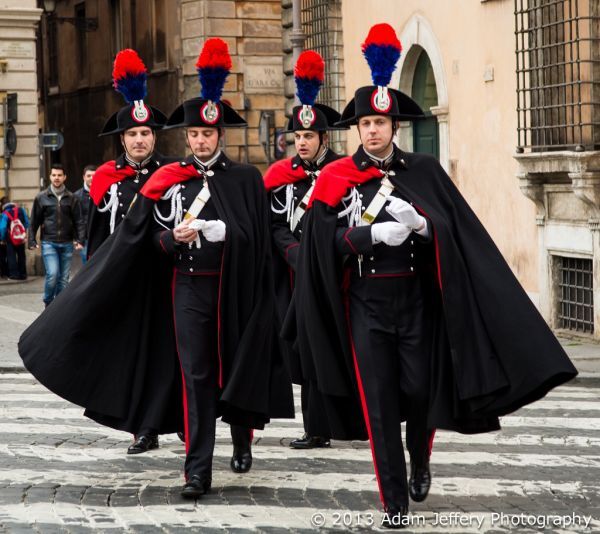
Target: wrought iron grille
<point x="321" y="22"/>
<point x="558" y="74"/>
<point x="576" y="298"/>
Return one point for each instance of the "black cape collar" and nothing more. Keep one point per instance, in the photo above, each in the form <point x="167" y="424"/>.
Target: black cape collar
<point x="156" y="160"/>
<point x="363" y="161"/>
<point x="223" y="162"/>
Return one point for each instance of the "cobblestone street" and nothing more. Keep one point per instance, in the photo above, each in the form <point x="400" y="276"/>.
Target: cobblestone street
<point x="60" y="472"/>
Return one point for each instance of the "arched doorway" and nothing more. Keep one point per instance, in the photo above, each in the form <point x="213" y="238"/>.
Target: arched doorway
<point x="424" y="92"/>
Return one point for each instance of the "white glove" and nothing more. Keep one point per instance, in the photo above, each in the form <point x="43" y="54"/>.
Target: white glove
<point x="214" y="231"/>
<point x="197" y="224"/>
<point x="391" y="233"/>
<point x="404" y="213"/>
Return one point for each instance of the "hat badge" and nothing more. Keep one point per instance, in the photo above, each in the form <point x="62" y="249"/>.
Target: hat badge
<point x="210" y="112"/>
<point x="380" y="99"/>
<point x="306" y="116"/>
<point x="139" y="113"/>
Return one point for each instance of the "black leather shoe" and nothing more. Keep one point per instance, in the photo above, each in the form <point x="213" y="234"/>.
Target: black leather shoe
<point x="143" y="443"/>
<point x="196" y="486"/>
<point x="241" y="461"/>
<point x="419" y="482"/>
<point x="310" y="442"/>
<point x="395" y="518"/>
<point x="181" y="436"/>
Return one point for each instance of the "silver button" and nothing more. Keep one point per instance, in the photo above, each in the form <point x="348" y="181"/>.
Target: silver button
<point x="182" y="198"/>
<point x="412" y="268"/>
<point x="299" y="231"/>
<point x="373" y="271"/>
<point x="392" y="173"/>
<point x="191" y="258"/>
<point x="412" y="255"/>
<point x="295" y="198"/>
<point x="210" y="173"/>
<point x="360" y="195"/>
<point x="121" y="204"/>
<point x="144" y="171"/>
<point x="412" y="242"/>
<point x="191" y="270"/>
<point x="183" y="187"/>
<point x="295" y="187"/>
<point x="118" y="183"/>
<point x="120" y="193"/>
<point x="122" y="216"/>
<point x="184" y="209"/>
<point x="372" y="258"/>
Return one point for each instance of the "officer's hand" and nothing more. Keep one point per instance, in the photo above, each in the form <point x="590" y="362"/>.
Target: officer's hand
<point x="214" y="231"/>
<point x="182" y="233"/>
<point x="390" y="233"/>
<point x="404" y="213"/>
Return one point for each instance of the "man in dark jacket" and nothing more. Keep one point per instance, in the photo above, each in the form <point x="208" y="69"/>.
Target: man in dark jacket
<point x="405" y="307"/>
<point x="291" y="182"/>
<point x="83" y="196"/>
<point x="56" y="212"/>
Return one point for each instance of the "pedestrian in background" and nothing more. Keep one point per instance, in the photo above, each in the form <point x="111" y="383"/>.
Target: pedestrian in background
<point x="3" y="261"/>
<point x="56" y="212"/>
<point x="13" y="235"/>
<point x="83" y="196"/>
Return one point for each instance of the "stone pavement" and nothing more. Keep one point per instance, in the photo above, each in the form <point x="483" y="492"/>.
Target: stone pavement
<point x="60" y="472"/>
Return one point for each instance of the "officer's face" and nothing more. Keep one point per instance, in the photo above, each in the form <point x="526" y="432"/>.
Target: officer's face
<point x="376" y="133"/>
<point x="203" y="141"/>
<point x="138" y="142"/>
<point x="88" y="177"/>
<point x="307" y="144"/>
<point x="57" y="177"/>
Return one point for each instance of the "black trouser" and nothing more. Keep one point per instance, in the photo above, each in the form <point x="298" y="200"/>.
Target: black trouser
<point x="313" y="411"/>
<point x="15" y="257"/>
<point x="391" y="344"/>
<point x="195" y="304"/>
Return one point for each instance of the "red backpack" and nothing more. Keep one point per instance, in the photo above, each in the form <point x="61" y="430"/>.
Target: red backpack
<point x="16" y="231"/>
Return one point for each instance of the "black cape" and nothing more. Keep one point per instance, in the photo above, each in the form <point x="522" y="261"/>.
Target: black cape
<point x="492" y="352"/>
<point x="109" y="335"/>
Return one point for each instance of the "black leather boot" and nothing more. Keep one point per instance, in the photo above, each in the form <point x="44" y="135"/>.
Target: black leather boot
<point x="241" y="461"/>
<point x="419" y="481"/>
<point x="310" y="442"/>
<point x="143" y="443"/>
<point x="196" y="486"/>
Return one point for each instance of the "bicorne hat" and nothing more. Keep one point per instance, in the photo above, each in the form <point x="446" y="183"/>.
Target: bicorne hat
<point x="130" y="79"/>
<point x="382" y="50"/>
<point x="309" y="74"/>
<point x="209" y="110"/>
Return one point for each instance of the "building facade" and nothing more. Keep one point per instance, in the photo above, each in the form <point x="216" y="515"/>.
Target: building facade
<point x="510" y="88"/>
<point x="19" y="178"/>
<point x="76" y="91"/>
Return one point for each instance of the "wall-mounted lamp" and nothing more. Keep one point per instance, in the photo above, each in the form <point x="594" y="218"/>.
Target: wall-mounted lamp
<point x="81" y="23"/>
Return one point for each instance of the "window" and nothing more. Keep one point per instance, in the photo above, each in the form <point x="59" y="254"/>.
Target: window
<point x="575" y="294"/>
<point x="557" y="47"/>
<point x="160" y="34"/>
<point x="82" y="62"/>
<point x="52" y="52"/>
<point x="116" y="26"/>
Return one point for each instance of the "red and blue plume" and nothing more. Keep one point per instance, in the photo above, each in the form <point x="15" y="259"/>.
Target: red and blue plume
<point x="213" y="65"/>
<point x="309" y="73"/>
<point x="382" y="51"/>
<point x="129" y="76"/>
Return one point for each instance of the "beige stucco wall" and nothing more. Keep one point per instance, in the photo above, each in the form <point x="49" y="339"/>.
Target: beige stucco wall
<point x="18" y="20"/>
<point x="471" y="36"/>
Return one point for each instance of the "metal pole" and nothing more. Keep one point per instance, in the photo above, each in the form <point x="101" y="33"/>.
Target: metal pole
<point x="297" y="36"/>
<point x="6" y="152"/>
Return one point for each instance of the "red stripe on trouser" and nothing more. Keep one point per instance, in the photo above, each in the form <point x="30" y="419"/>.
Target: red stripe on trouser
<point x="185" y="403"/>
<point x="219" y="323"/>
<point x="430" y="445"/>
<point x="363" y="401"/>
<point x="251" y="435"/>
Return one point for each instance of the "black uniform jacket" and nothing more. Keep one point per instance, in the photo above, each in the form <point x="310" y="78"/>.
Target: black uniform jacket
<point x="107" y="341"/>
<point x="286" y="243"/>
<point x="129" y="181"/>
<point x="491" y="352"/>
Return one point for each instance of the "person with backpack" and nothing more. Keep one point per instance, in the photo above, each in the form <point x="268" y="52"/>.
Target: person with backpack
<point x="13" y="232"/>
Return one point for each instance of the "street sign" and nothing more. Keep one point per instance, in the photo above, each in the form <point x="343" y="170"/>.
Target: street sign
<point x="52" y="140"/>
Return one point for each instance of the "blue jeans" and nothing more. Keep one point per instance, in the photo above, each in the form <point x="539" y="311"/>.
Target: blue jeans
<point x="57" y="263"/>
<point x="83" y="254"/>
